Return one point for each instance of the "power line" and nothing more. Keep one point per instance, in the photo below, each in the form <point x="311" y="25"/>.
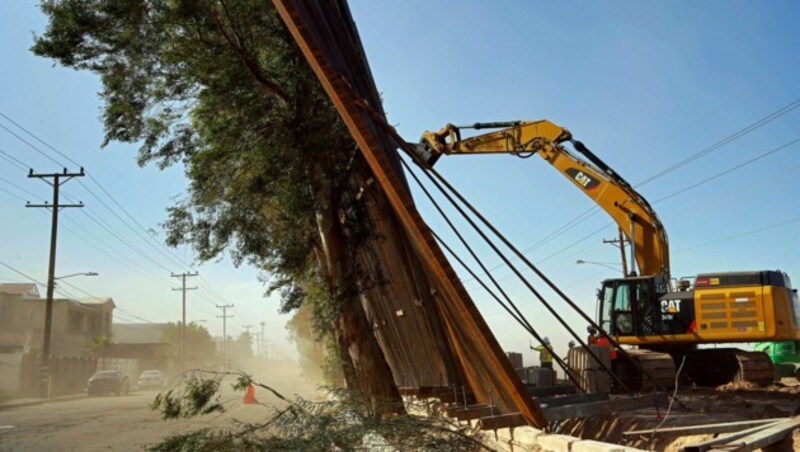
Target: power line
<point x="94" y="180"/>
<point x="32" y="146"/>
<point x="741" y="234"/>
<point x="116" y="257"/>
<point x="142" y="233"/>
<point x="128" y="313"/>
<point x="31" y="134"/>
<point x="695" y="156"/>
<point x="9" y="192"/>
<point x="19" y="187"/>
<point x="147" y="238"/>
<point x="67" y="294"/>
<point x="111" y="252"/>
<point x="13" y="160"/>
<point x="721" y="143"/>
<point x="729" y="170"/>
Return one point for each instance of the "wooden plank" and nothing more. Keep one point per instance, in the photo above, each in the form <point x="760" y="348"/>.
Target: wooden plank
<point x="501" y="421"/>
<point x="605" y="407"/>
<point x="762" y="438"/>
<point x="451" y="411"/>
<point x="424" y="391"/>
<point x="535" y="391"/>
<point x="557" y="401"/>
<point x="707" y="445"/>
<point x="433" y="391"/>
<point x="710" y="429"/>
<point x="458" y="399"/>
<point x="468" y="414"/>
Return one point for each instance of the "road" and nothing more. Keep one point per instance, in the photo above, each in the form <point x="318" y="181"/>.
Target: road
<point x="108" y="423"/>
<point x="127" y="423"/>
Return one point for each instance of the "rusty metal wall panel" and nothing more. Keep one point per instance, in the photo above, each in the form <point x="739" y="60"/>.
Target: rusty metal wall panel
<point x="399" y="305"/>
<point x="325" y="32"/>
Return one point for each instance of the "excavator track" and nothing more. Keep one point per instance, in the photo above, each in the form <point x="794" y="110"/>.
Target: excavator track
<point x="655" y="371"/>
<point x="755" y="367"/>
<point x="715" y="367"/>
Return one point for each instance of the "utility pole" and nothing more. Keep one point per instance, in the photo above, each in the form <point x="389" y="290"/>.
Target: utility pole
<point x="261" y="339"/>
<point x="249" y="338"/>
<point x="57" y="180"/>
<point x="224" y="318"/>
<point x="183" y="289"/>
<point x="620" y="243"/>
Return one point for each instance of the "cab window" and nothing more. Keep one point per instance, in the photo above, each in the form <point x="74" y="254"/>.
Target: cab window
<point x="623" y="316"/>
<point x="607" y="309"/>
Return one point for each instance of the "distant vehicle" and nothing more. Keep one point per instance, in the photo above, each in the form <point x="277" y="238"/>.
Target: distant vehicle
<point x="107" y="382"/>
<point x="152" y="379"/>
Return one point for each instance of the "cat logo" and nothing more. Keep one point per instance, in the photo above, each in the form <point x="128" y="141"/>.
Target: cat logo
<point x="670" y="306"/>
<point x="584" y="180"/>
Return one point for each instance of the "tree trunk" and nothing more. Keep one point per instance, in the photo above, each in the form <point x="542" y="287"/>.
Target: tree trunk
<point x="365" y="367"/>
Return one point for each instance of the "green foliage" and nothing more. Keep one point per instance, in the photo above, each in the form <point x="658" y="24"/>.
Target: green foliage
<point x="199" y="396"/>
<point x="308" y="331"/>
<point x="346" y="421"/>
<point x="200" y="347"/>
<point x="220" y="86"/>
<point x="99" y="344"/>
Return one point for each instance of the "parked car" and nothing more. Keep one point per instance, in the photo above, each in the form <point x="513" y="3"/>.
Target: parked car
<point x="152" y="379"/>
<point x="107" y="382"/>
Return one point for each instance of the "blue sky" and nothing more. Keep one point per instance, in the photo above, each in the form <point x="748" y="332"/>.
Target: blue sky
<point x="642" y="84"/>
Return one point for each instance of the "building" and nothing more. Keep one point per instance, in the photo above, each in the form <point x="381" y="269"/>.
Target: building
<point x="75" y="322"/>
<point x="144" y="342"/>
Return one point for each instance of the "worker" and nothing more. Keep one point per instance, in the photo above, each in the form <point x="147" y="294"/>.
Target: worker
<point x="592" y="340"/>
<point x="604" y="342"/>
<point x="545" y="357"/>
<point x="570" y="346"/>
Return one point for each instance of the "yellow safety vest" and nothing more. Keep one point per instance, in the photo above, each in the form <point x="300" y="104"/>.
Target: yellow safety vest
<point x="544" y="354"/>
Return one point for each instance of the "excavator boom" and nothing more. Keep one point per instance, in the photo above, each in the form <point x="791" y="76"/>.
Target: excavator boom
<point x="632" y="213"/>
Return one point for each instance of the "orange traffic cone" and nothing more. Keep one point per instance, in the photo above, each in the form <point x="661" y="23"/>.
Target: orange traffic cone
<point x="249" y="395"/>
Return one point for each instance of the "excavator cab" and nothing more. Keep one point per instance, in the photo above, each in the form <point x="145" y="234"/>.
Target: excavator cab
<point x="634" y="306"/>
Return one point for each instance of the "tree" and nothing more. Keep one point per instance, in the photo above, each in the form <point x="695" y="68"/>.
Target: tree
<point x="220" y="87"/>
<point x="200" y="347"/>
<point x="99" y="345"/>
<point x="241" y="349"/>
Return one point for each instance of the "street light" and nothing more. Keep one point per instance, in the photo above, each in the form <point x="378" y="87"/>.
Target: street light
<point x="609" y="265"/>
<point x="76" y="274"/>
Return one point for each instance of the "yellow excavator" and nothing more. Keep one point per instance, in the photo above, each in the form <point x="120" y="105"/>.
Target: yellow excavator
<point x="665" y="319"/>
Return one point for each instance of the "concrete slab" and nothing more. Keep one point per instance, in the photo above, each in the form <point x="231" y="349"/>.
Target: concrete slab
<point x="597" y="446"/>
<point x="526" y="435"/>
<point x="556" y="443"/>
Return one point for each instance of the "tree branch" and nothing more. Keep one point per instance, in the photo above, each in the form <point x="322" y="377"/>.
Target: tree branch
<point x="267" y="86"/>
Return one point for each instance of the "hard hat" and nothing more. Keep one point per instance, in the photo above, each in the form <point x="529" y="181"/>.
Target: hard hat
<point x="545" y="340"/>
<point x="571" y="344"/>
<point x="591" y="329"/>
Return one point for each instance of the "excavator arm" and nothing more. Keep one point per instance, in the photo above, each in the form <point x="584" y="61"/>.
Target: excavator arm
<point x="632" y="213"/>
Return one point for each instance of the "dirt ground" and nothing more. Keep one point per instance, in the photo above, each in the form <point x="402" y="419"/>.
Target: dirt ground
<point x="127" y="423"/>
<point x="697" y="406"/>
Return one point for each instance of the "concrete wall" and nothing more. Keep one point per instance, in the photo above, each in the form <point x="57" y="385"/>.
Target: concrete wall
<point x="10" y="372"/>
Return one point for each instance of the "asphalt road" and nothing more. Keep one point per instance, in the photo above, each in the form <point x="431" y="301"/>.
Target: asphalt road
<point x="108" y="423"/>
